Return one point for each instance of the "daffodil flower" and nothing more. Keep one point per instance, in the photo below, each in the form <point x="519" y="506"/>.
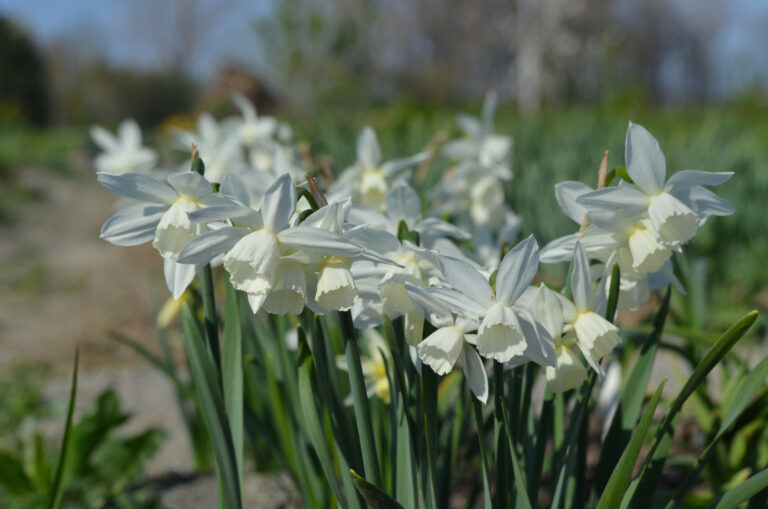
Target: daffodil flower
<point x="595" y="336"/>
<point x="450" y="343"/>
<point x="265" y="253"/>
<point x="368" y="182"/>
<point x="506" y="328"/>
<point x="674" y="208"/>
<point x="162" y="217"/>
<point x="216" y="145"/>
<point x="123" y="153"/>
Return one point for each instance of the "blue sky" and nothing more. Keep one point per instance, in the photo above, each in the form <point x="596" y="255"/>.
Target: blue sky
<point x="738" y="49"/>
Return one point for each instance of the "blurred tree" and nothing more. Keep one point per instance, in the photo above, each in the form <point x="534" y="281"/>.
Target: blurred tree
<point x="23" y="91"/>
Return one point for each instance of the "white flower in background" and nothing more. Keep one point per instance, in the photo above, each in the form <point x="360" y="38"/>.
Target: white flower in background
<point x="264" y="253"/>
<point x="254" y="131"/>
<point x="368" y="182"/>
<point x="162" y="217"/>
<point x="674" y="208"/>
<point x="481" y="148"/>
<point x="450" y="343"/>
<point x="123" y="153"/>
<point x="404" y="204"/>
<point x="217" y="144"/>
<point x="506" y="328"/>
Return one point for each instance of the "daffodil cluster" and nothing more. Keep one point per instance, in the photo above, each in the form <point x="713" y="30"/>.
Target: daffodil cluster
<point x="371" y="246"/>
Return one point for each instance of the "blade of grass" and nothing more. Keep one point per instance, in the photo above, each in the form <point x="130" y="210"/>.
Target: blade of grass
<point x="477" y="412"/>
<point x="57" y="488"/>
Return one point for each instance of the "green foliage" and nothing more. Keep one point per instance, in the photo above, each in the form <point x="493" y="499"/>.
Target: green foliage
<point x="98" y="465"/>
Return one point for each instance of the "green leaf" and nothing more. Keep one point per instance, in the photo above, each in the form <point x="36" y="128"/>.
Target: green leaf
<point x="232" y="374"/>
<point x="613" y="293"/>
<point x="360" y="398"/>
<point x="622" y="474"/>
<point x="311" y="420"/>
<point x="373" y="496"/>
<point x="649" y="476"/>
<point x="12" y="475"/>
<point x="520" y="480"/>
<point x="57" y="487"/>
<point x="631" y="400"/>
<point x="205" y="375"/>
<point x="734" y="497"/>
<point x="477" y="411"/>
<point x="753" y="382"/>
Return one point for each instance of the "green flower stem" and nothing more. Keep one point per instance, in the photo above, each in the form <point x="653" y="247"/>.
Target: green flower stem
<point x="362" y="408"/>
<point x="209" y="312"/>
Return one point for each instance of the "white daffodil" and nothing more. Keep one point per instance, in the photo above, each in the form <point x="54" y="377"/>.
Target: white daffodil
<point x="480" y="147"/>
<point x="367" y="182"/>
<point x="506" y="328"/>
<point x="123" y="153"/>
<point x="263" y="250"/>
<point x="595" y="335"/>
<point x="162" y="217"/>
<point x="217" y="146"/>
<point x="674" y="208"/>
<point x="450" y="342"/>
<point x="404" y="204"/>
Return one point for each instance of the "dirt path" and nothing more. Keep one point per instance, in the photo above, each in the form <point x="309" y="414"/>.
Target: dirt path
<point x="62" y="288"/>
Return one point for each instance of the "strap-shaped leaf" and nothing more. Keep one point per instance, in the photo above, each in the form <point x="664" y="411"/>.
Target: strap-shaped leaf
<point x="232" y="374"/>
<point x="734" y="497"/>
<point x="622" y="474"/>
<point x="57" y="487"/>
<point x="373" y="496"/>
<point x="206" y="378"/>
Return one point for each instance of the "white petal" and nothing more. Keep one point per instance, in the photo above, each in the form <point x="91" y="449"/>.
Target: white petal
<point x="474" y="372"/>
<point x="403" y="203"/>
<point x="139" y="187"/>
<point x="672" y="220"/>
<point x="627" y="198"/>
<point x="596" y="335"/>
<point x="647" y="254"/>
<point x="256" y="301"/>
<point x="288" y="294"/>
<point x="465" y="278"/>
<point x="336" y="289"/>
<point x="559" y="250"/>
<point x="686" y="178"/>
<point x="433" y="227"/>
<point x="368" y="150"/>
<point x="175" y="230"/>
<point x="177" y="276"/>
<point x="129" y="133"/>
<point x="568" y="373"/>
<point x="433" y="309"/>
<point x="547" y="310"/>
<point x="133" y="225"/>
<point x="321" y="241"/>
<point x="500" y="335"/>
<point x="210" y="244"/>
<point x="705" y="203"/>
<point x="581" y="281"/>
<point x="567" y="193"/>
<point x="103" y="138"/>
<point x="459" y="302"/>
<point x="413" y="326"/>
<point x="541" y="346"/>
<point x="517" y="270"/>
<point x="279" y="203"/>
<point x="441" y="349"/>
<point x="374" y="239"/>
<point x="252" y="263"/>
<point x="489" y="110"/>
<point x="234" y="187"/>
<point x="190" y="183"/>
<point x="645" y="160"/>
<point x="470" y="126"/>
